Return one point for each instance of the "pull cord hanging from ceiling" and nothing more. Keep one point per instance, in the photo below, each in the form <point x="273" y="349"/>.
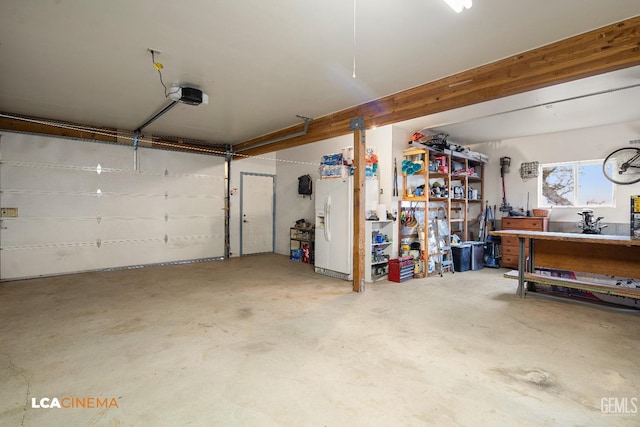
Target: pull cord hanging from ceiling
<point x="158" y="66"/>
<point x="354" y="39"/>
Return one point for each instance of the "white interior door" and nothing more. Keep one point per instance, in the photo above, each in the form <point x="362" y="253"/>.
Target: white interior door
<point x="257" y="210"/>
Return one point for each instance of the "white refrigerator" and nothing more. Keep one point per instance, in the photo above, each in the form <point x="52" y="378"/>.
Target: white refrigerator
<point x="334" y="225"/>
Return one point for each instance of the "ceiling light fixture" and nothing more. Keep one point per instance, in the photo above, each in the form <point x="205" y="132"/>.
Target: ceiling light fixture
<point x="459" y="5"/>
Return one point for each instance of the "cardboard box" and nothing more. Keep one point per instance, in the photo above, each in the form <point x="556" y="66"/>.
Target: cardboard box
<point x="635" y="217"/>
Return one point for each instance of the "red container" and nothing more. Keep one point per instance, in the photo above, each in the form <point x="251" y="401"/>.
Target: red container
<point x="306" y="253"/>
<point x="402" y="261"/>
<point x="401" y="269"/>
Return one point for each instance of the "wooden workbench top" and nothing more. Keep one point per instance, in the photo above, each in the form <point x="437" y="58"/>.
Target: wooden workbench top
<point x="570" y="237"/>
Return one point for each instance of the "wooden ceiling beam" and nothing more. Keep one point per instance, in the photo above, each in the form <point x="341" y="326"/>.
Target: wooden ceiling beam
<point x="606" y="49"/>
<point x="106" y="135"/>
<point x="65" y="130"/>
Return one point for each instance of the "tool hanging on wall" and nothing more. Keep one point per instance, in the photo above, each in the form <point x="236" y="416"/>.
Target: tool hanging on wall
<point x="395" y="177"/>
<point x="305" y="185"/>
<point x="505" y="162"/>
<point x="529" y="170"/>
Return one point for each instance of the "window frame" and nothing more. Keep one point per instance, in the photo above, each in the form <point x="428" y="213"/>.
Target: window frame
<point x="575" y="165"/>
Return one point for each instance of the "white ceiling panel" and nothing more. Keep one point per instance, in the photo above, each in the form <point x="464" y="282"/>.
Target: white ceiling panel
<point x="260" y="62"/>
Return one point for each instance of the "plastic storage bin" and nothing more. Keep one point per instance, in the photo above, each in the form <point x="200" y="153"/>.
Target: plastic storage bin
<point x="461" y="257"/>
<point x="477" y="255"/>
<point x="296" y="255"/>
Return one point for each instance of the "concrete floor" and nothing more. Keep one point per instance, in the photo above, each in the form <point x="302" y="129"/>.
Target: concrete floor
<point x="263" y="341"/>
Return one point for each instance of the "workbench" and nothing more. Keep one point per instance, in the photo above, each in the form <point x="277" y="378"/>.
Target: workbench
<point x="588" y="253"/>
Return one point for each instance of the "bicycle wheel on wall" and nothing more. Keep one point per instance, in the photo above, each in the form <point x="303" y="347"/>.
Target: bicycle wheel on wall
<point x="622" y="166"/>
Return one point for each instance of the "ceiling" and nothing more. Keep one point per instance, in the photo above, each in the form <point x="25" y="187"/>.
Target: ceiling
<point x="594" y="101"/>
<point x="262" y="63"/>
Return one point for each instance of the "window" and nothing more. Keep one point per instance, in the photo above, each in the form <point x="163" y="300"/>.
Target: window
<point x="574" y="184"/>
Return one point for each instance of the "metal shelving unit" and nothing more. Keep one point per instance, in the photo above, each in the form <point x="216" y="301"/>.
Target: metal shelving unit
<point x="301" y="240"/>
<point x="377" y="261"/>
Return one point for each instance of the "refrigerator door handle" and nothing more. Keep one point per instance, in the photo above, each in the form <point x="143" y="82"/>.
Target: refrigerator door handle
<point x="327" y="215"/>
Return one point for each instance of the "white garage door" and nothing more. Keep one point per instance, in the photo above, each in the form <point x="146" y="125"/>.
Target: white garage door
<point x="81" y="206"/>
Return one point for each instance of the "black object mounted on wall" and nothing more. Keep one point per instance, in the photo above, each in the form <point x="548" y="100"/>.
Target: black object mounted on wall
<point x="305" y="185"/>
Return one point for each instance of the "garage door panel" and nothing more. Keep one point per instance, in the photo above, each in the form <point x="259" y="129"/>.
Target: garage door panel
<point x="72" y="218"/>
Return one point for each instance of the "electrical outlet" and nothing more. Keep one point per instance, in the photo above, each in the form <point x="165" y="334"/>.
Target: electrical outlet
<point x="9" y="212"/>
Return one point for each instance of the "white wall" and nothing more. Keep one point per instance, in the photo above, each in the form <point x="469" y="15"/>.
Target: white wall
<point x="293" y="162"/>
<point x="401" y="139"/>
<point x="65" y="226"/>
<point x="584" y="144"/>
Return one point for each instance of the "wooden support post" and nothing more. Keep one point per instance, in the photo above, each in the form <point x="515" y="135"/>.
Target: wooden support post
<point x="359" y="201"/>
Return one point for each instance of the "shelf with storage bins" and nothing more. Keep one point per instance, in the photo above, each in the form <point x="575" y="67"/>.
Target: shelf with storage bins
<point x="444" y="185"/>
<point x="302" y="244"/>
<point x="426" y="192"/>
<point x="379" y="240"/>
<point x="414" y="206"/>
<point x="467" y="190"/>
<point x="475" y="193"/>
